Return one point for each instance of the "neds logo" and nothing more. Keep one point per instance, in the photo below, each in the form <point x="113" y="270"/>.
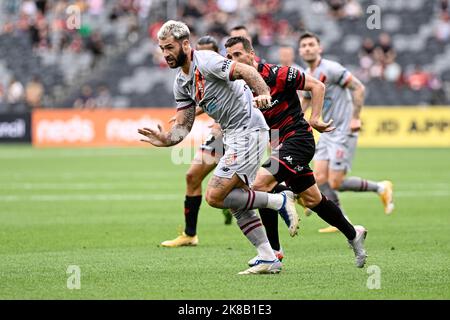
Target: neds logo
<point x="126" y="129"/>
<point x="75" y="129"/>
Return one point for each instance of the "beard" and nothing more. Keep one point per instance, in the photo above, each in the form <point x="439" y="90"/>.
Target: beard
<point x="179" y="60"/>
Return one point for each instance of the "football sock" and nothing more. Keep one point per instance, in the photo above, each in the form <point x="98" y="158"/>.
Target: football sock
<point x="331" y="213"/>
<point x="240" y="199"/>
<point x="191" y="208"/>
<point x="251" y="226"/>
<point x="359" y="184"/>
<point x="332" y="195"/>
<point x="269" y="219"/>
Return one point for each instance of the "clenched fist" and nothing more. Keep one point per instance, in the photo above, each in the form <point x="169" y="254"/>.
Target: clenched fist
<point x="262" y="101"/>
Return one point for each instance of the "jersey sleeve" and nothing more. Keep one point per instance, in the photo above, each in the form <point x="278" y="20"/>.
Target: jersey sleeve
<point x="182" y="99"/>
<point x="340" y="75"/>
<point x="290" y="78"/>
<point x="216" y="66"/>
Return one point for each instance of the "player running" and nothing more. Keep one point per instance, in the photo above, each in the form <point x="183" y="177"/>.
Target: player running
<point x="207" y="79"/>
<point x="293" y="145"/>
<point x="204" y="162"/>
<point x="344" y="98"/>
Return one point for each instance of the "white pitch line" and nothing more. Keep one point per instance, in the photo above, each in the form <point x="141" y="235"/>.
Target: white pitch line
<point x="401" y="194"/>
<point x="89" y="197"/>
<point x="87" y="174"/>
<point x="165" y="197"/>
<point x="84" y="186"/>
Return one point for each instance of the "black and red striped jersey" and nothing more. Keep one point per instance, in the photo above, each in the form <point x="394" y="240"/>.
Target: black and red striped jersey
<point x="285" y="114"/>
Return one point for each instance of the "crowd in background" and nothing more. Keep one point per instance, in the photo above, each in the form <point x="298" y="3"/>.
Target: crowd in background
<point x="47" y="26"/>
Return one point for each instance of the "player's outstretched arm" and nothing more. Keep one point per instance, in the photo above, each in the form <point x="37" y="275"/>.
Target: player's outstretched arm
<point x="317" y="89"/>
<point x="358" y="94"/>
<point x="181" y="128"/>
<point x="252" y="77"/>
<point x="198" y="111"/>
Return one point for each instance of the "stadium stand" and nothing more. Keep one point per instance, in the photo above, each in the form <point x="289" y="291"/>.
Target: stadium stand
<point x="114" y="57"/>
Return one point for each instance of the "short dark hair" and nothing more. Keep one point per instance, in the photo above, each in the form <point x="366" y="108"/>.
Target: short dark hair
<point x="239" y="27"/>
<point x="209" y="40"/>
<point x="309" y="35"/>
<point x="235" y="40"/>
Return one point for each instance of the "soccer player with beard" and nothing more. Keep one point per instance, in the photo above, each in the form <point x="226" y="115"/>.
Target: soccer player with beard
<point x="206" y="79"/>
<point x="204" y="162"/>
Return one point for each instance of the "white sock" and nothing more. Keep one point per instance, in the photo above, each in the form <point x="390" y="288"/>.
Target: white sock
<point x="275" y="201"/>
<point x="380" y="187"/>
<point x="265" y="252"/>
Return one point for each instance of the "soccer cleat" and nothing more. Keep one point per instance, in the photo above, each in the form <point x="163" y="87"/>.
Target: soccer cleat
<point x="228" y="216"/>
<point x="357" y="245"/>
<point x="181" y="240"/>
<point x="278" y="254"/>
<point x="264" y="267"/>
<point x="289" y="213"/>
<point x="387" y="196"/>
<point x="329" y="229"/>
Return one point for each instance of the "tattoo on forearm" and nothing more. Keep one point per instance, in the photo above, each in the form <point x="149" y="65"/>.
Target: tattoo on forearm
<point x="252" y="77"/>
<point x="358" y="94"/>
<point x="182" y="128"/>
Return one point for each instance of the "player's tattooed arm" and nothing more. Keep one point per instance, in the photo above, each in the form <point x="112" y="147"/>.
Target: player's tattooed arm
<point x="358" y="94"/>
<point x="252" y="77"/>
<point x="181" y="128"/>
<point x="317" y="89"/>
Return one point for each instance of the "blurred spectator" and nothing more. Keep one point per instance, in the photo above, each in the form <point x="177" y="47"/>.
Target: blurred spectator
<point x="41" y="6"/>
<point x="240" y="31"/>
<point x="442" y="29"/>
<point x="367" y="48"/>
<point x="353" y="10"/>
<point x="96" y="7"/>
<point x="443" y="6"/>
<point x="103" y="99"/>
<point x="286" y="56"/>
<point x="385" y="44"/>
<point x="2" y="94"/>
<point x="228" y="6"/>
<point x="95" y="45"/>
<point x="337" y="8"/>
<point x="418" y="79"/>
<point x="29" y="8"/>
<point x="34" y="93"/>
<point x="192" y="11"/>
<point x="86" y="100"/>
<point x="15" y="93"/>
<point x="378" y="60"/>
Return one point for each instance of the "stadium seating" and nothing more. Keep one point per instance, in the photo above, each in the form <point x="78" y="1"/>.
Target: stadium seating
<point x="134" y="76"/>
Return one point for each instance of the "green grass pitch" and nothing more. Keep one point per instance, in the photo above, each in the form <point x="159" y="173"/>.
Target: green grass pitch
<point x="106" y="211"/>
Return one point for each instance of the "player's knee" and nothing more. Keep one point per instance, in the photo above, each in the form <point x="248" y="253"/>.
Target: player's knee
<point x="320" y="177"/>
<point x="193" y="180"/>
<point x="260" y="186"/>
<point x="214" y="199"/>
<point x="335" y="184"/>
<point x="312" y="200"/>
